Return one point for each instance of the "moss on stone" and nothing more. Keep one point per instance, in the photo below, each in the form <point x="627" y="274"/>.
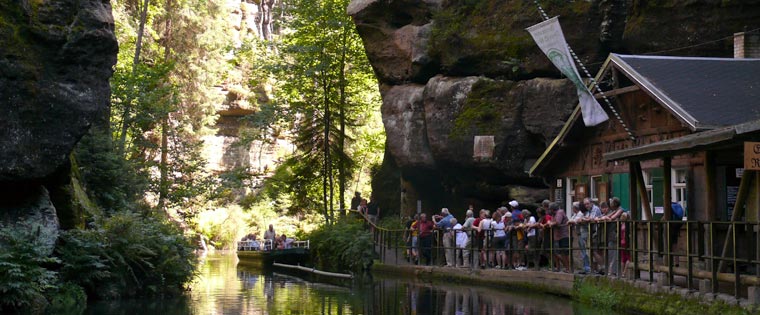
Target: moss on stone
<point x="481" y="112"/>
<point x="489" y="37"/>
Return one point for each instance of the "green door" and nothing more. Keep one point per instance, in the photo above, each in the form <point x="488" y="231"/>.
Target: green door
<point x="620" y="184"/>
<point x="657" y="192"/>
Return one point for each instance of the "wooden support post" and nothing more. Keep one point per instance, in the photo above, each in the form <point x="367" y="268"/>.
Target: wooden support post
<point x="647" y="211"/>
<point x="741" y="200"/>
<point x="635" y="216"/>
<point x="667" y="182"/>
<point x="712" y="203"/>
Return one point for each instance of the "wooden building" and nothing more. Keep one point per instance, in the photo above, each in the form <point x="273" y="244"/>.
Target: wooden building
<point x="661" y="100"/>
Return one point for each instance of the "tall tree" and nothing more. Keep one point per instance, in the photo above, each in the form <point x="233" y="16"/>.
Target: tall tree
<point x="324" y="75"/>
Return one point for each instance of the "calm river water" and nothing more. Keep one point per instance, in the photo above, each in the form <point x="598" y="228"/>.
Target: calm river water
<point x="225" y="287"/>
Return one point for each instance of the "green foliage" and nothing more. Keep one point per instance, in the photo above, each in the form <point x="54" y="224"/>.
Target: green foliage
<point x="617" y="295"/>
<point x="117" y="183"/>
<point x="24" y="276"/>
<point x="127" y="255"/>
<point x="343" y="246"/>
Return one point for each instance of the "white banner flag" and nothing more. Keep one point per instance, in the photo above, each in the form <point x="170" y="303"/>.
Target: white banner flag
<point x="548" y="35"/>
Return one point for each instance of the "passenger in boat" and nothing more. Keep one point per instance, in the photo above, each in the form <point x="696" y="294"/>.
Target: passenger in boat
<point x="282" y="242"/>
<point x="269" y="238"/>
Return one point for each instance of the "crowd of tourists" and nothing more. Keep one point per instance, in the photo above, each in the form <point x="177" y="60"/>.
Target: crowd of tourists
<point x="511" y="237"/>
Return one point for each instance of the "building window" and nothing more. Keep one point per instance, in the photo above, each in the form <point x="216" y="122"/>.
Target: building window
<point x="596" y="188"/>
<point x="678" y="193"/>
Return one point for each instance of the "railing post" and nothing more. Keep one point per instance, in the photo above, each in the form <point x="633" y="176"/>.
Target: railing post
<point x="395" y="247"/>
<point x="668" y="256"/>
<point x="571" y="267"/>
<point x="713" y="266"/>
<point x="551" y="248"/>
<point x="635" y="249"/>
<point x="689" y="259"/>
<point x="650" y="251"/>
<point x="737" y="283"/>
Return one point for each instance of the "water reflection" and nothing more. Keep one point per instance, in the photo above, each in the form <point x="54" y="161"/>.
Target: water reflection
<point x="225" y="287"/>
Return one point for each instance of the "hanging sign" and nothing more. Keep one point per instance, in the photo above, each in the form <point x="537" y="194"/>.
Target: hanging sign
<point x="752" y="156"/>
<point x="548" y="36"/>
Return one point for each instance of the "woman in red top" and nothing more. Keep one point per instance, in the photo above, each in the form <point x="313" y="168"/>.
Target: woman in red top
<point x="426" y="237"/>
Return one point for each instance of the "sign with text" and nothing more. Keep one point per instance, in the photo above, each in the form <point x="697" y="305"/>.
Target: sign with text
<point x="752" y="156"/>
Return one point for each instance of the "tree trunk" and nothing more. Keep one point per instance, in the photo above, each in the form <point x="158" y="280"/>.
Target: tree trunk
<point x="342" y="165"/>
<point x="128" y="102"/>
<point x="163" y="189"/>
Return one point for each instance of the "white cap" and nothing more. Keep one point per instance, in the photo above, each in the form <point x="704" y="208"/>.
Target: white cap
<point x="514" y="203"/>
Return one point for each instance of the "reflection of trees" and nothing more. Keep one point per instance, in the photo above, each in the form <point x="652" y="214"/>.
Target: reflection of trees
<point x="223" y="287"/>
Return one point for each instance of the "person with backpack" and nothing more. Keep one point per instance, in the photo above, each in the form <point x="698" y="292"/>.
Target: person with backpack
<point x="675" y="227"/>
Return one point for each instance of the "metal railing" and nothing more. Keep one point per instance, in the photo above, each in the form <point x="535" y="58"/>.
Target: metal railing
<point x="267" y="245"/>
<point x="714" y="257"/>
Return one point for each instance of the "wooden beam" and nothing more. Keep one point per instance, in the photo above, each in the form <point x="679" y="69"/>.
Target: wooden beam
<point x="632" y="186"/>
<point x="619" y="91"/>
<point x="741" y="199"/>
<point x="667" y="181"/>
<point x="642" y="190"/>
<point x="712" y="195"/>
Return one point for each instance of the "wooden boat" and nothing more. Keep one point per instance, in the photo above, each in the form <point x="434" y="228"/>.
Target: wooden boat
<point x="297" y="254"/>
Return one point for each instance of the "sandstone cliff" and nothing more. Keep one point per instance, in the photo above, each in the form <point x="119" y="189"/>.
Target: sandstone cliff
<point x="451" y="70"/>
<point x="56" y="58"/>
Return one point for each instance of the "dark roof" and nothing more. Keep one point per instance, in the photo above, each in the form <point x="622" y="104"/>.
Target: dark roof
<point x="705" y="93"/>
<point x="710" y="139"/>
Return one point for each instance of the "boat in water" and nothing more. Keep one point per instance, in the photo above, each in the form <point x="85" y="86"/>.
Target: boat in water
<point x="263" y="254"/>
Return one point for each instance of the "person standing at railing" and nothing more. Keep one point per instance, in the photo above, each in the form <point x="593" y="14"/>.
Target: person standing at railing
<point x="675" y="227"/>
<point x="484" y="231"/>
<point x="356" y="201"/>
<point x="499" y="243"/>
<point x="529" y="226"/>
<point x="579" y="219"/>
<point x="373" y="210"/>
<point x="611" y="218"/>
<point x="593" y="212"/>
<point x="443" y="223"/>
<point x="467" y="230"/>
<point x="411" y="239"/>
<point x="426" y="237"/>
<point x="517" y="240"/>
<point x="460" y="242"/>
<point x="625" y="256"/>
<point x="544" y="238"/>
<point x="561" y="236"/>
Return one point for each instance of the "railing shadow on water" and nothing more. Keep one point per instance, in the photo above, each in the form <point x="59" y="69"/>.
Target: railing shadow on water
<point x="709" y="257"/>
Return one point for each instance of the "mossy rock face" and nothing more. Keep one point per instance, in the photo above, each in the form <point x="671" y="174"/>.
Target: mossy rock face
<point x="55" y="62"/>
<point x="489" y="37"/>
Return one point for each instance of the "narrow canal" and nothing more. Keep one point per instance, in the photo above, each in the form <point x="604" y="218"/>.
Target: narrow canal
<point x="225" y="287"/>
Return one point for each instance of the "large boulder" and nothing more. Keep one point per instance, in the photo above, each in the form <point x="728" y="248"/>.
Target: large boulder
<point x="56" y="58"/>
<point x="484" y="76"/>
